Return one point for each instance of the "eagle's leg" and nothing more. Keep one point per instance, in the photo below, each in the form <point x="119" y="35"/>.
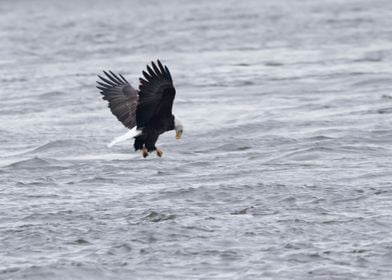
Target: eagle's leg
<point x="159" y="152"/>
<point x="145" y="152"/>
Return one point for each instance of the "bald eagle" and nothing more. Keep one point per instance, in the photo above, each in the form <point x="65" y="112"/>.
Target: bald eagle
<point x="147" y="112"/>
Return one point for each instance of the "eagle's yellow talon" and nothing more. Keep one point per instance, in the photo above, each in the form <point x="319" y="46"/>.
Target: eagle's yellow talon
<point x="145" y="152"/>
<point x="159" y="152"/>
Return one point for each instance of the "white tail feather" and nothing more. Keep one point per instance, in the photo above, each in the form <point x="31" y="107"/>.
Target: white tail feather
<point x="130" y="134"/>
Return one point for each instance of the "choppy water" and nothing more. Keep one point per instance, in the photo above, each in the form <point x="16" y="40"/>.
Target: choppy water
<point x="284" y="170"/>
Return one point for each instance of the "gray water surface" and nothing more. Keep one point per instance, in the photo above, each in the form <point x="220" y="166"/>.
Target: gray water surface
<point x="284" y="170"/>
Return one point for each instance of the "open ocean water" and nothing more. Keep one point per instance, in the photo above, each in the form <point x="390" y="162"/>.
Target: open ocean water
<point x="284" y="170"/>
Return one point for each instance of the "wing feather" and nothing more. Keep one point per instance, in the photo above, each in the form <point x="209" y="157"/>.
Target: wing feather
<point x="122" y="77"/>
<point x="122" y="97"/>
<point x="156" y="93"/>
<point x="107" y="81"/>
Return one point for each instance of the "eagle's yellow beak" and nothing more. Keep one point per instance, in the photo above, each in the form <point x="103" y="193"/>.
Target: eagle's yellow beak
<point x="178" y="134"/>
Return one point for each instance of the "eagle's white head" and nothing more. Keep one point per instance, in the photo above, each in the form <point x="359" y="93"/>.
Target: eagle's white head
<point x="178" y="127"/>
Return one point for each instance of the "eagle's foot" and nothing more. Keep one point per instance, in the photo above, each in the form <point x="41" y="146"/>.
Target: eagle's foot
<point x="159" y="152"/>
<point x="145" y="152"/>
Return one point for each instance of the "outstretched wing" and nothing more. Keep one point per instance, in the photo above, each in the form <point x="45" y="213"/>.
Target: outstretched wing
<point x="156" y="93"/>
<point x="122" y="97"/>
